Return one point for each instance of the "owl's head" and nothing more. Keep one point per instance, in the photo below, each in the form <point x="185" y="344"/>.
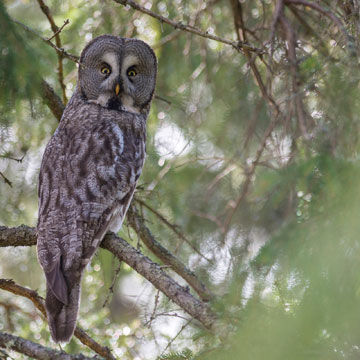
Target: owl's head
<point x="118" y="73"/>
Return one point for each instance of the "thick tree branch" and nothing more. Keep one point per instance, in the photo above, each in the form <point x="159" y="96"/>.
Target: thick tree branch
<point x="238" y="45"/>
<point x="38" y="301"/>
<point x="26" y="236"/>
<point x="137" y="223"/>
<point x="35" y="351"/>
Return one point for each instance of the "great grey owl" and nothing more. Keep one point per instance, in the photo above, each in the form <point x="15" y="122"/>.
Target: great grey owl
<point x="91" y="166"/>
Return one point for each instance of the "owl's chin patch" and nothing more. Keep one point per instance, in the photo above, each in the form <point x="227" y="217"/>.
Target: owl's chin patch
<point x="114" y="103"/>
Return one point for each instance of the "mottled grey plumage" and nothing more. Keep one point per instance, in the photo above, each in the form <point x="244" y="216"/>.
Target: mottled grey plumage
<point x="91" y="166"/>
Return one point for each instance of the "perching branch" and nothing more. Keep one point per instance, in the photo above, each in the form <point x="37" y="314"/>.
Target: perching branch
<point x="36" y="351"/>
<point x="38" y="301"/>
<point x="26" y="236"/>
<point x="238" y="45"/>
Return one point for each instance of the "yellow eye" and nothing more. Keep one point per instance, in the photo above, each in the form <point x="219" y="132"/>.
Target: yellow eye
<point x="105" y="70"/>
<point x="131" y="73"/>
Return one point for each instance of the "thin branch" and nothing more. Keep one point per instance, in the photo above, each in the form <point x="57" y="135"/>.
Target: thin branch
<point x="66" y="22"/>
<point x="111" y="288"/>
<point x="137" y="223"/>
<point x="6" y="180"/>
<point x="8" y="308"/>
<point x="172" y="227"/>
<point x="36" y="351"/>
<point x="249" y="175"/>
<point x="277" y="12"/>
<point x="38" y="301"/>
<point x="297" y="98"/>
<point x="26" y="236"/>
<point x="170" y="37"/>
<point x="165" y="313"/>
<point x="241" y="34"/>
<point x="153" y="315"/>
<point x="239" y="46"/>
<point x="325" y="12"/>
<point x="158" y="97"/>
<point x="12" y="158"/>
<point x="56" y="30"/>
<point x="174" y="338"/>
<point x="47" y="41"/>
<point x="19" y="309"/>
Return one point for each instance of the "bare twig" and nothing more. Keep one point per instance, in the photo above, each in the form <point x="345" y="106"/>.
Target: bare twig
<point x="174" y="338"/>
<point x="170" y="37"/>
<point x="211" y="218"/>
<point x="36" y="351"/>
<point x="249" y="175"/>
<point x="153" y="315"/>
<point x="277" y="12"/>
<point x="12" y="158"/>
<point x="241" y="34"/>
<point x="158" y="97"/>
<point x="66" y="22"/>
<point x="19" y="309"/>
<point x="323" y="11"/>
<point x="137" y="223"/>
<point x="166" y="313"/>
<point x="297" y="96"/>
<point x="172" y="227"/>
<point x="11" y="286"/>
<point x="47" y="41"/>
<point x="56" y="30"/>
<point x="8" y="308"/>
<point x="6" y="180"/>
<point x="111" y="288"/>
<point x="239" y="46"/>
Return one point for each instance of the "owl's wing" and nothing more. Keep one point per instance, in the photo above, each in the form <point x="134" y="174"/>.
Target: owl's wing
<point x="66" y="243"/>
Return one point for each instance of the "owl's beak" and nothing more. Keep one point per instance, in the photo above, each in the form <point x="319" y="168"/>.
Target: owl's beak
<point x="117" y="89"/>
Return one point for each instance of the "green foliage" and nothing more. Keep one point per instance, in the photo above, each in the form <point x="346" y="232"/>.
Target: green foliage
<point x="19" y="74"/>
<point x="180" y="355"/>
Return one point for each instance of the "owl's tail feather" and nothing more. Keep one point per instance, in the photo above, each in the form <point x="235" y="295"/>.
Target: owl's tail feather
<point x="61" y="317"/>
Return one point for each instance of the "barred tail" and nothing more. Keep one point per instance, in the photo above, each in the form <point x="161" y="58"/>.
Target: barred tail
<point x="61" y="317"/>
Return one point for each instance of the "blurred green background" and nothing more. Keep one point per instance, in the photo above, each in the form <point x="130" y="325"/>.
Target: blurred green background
<point x="268" y="194"/>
